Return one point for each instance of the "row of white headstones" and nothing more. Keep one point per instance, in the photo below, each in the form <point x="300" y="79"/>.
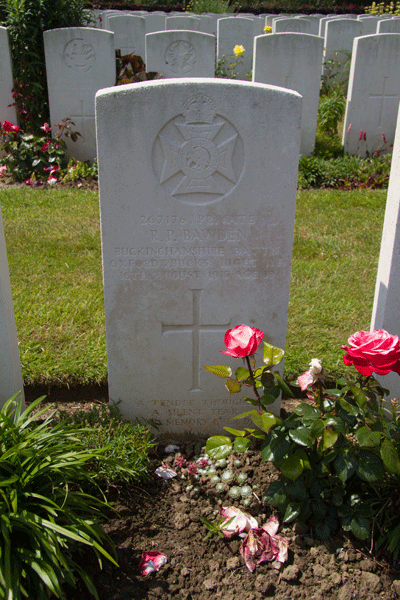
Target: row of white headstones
<point x="197" y="234"/>
<point x="81" y="61"/>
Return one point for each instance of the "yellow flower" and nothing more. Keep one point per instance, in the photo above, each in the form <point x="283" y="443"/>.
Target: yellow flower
<point x="238" y="50"/>
<point x="267" y="29"/>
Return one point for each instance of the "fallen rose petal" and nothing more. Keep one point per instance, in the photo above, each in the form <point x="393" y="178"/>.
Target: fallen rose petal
<point x="151" y="561"/>
<point x="271" y="526"/>
<point x="260" y="545"/>
<point x="171" y="448"/>
<point x="165" y="472"/>
<point x="241" y="522"/>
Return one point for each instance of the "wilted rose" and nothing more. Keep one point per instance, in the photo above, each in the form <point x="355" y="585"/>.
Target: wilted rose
<point x="242" y="341"/>
<point x="313" y="375"/>
<point x="373" y="352"/>
<point x="151" y="561"/>
<point x="261" y="544"/>
<point x="236" y="522"/>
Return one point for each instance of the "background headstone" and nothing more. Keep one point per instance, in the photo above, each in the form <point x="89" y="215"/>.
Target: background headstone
<point x="291" y="25"/>
<point x="183" y="22"/>
<point x="129" y="33"/>
<point x="10" y="366"/>
<point x="181" y="53"/>
<point x="7" y="113"/>
<point x="236" y="31"/>
<point x="338" y="46"/>
<point x="373" y="93"/>
<point x="388" y="26"/>
<point x="386" y="308"/>
<point x="79" y="61"/>
<point x="196" y="237"/>
<point x="293" y="61"/>
<point x="155" y="22"/>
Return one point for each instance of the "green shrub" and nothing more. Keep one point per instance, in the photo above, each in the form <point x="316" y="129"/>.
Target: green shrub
<point x="26" y="20"/>
<point x="331" y="110"/>
<point x="214" y="6"/>
<point x="124" y="441"/>
<point x="45" y="512"/>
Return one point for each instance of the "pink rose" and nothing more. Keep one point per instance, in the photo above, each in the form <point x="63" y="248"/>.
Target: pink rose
<point x="242" y="341"/>
<point x="45" y="147"/>
<point x="373" y="352"/>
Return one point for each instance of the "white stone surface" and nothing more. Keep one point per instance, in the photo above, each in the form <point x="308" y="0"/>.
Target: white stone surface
<point x="79" y="62"/>
<point x="293" y="61"/>
<point x="291" y="25"/>
<point x="386" y="307"/>
<point x="369" y="24"/>
<point x="155" y="22"/>
<point x="7" y="113"/>
<point x="129" y="33"/>
<point x="183" y="23"/>
<point x="323" y="22"/>
<point x="236" y="31"/>
<point x="373" y="93"/>
<point x="388" y="26"/>
<point x="196" y="237"/>
<point x="10" y="366"/>
<point x="338" y="46"/>
<point x="181" y="53"/>
<point x="314" y="24"/>
<point x="109" y="13"/>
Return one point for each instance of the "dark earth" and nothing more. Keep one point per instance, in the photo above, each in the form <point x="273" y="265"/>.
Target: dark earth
<point x="163" y="515"/>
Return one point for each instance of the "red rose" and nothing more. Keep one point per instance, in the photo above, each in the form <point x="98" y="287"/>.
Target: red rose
<point x="242" y="341"/>
<point x="45" y="147"/>
<point x="373" y="352"/>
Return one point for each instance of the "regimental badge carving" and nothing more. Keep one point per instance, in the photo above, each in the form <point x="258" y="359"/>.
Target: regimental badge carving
<point x="198" y="156"/>
<point x="79" y="56"/>
<point x="180" y="57"/>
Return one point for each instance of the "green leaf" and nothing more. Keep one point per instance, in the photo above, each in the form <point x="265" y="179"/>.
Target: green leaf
<point x="366" y="437"/>
<point x="218" y="446"/>
<point x="345" y="465"/>
<point x="237" y="432"/>
<point x="293" y="510"/>
<point x="241" y="444"/>
<point x="348" y="407"/>
<point x="329" y="438"/>
<point x="219" y="370"/>
<point x="272" y="355"/>
<point x="291" y="467"/>
<point x="264" y="421"/>
<point x="390" y="457"/>
<point x="301" y="435"/>
<point x="358" y="394"/>
<point x="322" y="531"/>
<point x="360" y="527"/>
<point x="285" y="389"/>
<point x="276" y="494"/>
<point x="241" y="373"/>
<point x="317" y="429"/>
<point x="370" y="466"/>
<point x="270" y="396"/>
<point x="307" y="411"/>
<point x="267" y="379"/>
<point x="233" y="386"/>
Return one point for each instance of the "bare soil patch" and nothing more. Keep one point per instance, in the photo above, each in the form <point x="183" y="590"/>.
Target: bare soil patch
<point x="165" y="516"/>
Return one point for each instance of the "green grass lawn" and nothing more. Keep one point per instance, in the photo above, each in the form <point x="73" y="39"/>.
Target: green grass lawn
<point x="53" y="242"/>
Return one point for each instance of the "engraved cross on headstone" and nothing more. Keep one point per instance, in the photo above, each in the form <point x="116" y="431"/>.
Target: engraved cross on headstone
<point x="382" y="97"/>
<point x="196" y="327"/>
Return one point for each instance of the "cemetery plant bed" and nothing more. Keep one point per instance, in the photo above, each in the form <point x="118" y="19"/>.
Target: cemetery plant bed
<point x="163" y="516"/>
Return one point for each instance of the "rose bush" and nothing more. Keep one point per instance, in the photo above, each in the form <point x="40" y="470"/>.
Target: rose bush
<point x="242" y="341"/>
<point x="373" y="352"/>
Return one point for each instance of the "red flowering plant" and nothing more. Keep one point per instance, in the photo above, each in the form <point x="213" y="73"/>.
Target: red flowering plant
<point x="338" y="454"/>
<point x="32" y="158"/>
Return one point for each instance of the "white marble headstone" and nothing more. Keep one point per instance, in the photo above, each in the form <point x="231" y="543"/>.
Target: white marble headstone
<point x="10" y="366"/>
<point x="129" y="33"/>
<point x="79" y="62"/>
<point x="338" y="46"/>
<point x="7" y="113"/>
<point x="291" y="25"/>
<point x="197" y="237"/>
<point x="293" y="61"/>
<point x="388" y="26"/>
<point x="155" y="22"/>
<point x="373" y="93"/>
<point x="386" y="307"/>
<point x="181" y="53"/>
<point x="236" y="31"/>
<point x="183" y="22"/>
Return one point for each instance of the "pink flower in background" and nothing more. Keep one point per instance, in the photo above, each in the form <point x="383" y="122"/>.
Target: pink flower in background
<point x="151" y="561"/>
<point x="242" y="341"/>
<point x="46" y="128"/>
<point x="262" y="544"/>
<point x="180" y="462"/>
<point x="365" y="136"/>
<point x="361" y="135"/>
<point x="349" y="129"/>
<point x="192" y="469"/>
<point x="373" y="352"/>
<point x="383" y="137"/>
<point x="33" y="182"/>
<point x="45" y="147"/>
<point x="52" y="180"/>
<point x="2" y="169"/>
